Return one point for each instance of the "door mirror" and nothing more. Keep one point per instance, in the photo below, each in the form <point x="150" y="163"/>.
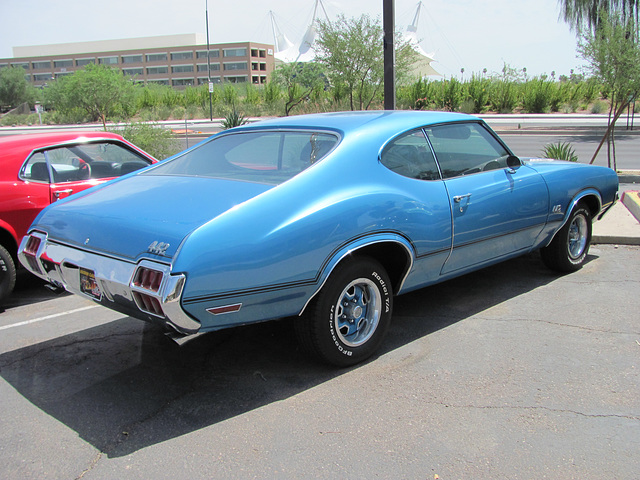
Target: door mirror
<point x="513" y="161"/>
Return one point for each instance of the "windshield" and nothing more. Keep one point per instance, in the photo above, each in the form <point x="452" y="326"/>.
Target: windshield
<point x="270" y="157"/>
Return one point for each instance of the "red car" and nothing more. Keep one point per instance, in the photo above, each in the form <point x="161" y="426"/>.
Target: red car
<point x="38" y="169"/>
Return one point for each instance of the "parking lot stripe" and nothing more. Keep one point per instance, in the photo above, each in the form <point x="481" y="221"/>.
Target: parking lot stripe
<point x="48" y="317"/>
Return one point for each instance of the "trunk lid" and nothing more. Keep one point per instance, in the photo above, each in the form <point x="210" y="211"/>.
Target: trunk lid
<point x="142" y="214"/>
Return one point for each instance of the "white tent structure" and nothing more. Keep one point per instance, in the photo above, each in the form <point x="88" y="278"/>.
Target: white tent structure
<point x="422" y="67"/>
<point x="286" y="51"/>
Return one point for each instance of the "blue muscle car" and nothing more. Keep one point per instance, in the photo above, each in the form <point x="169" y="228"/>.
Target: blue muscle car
<point x="321" y="217"/>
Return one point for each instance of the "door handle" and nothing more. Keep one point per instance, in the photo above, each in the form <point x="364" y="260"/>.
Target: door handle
<point x="459" y="198"/>
<point x="65" y="192"/>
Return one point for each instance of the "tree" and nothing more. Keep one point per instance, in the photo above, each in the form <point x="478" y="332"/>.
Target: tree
<point x="589" y="13"/>
<point x="613" y="55"/>
<point x="97" y="90"/>
<point x="352" y="51"/>
<point x="299" y="80"/>
<point x="14" y="88"/>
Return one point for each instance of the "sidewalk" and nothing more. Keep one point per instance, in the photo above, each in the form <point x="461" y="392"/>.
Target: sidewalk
<point x="620" y="226"/>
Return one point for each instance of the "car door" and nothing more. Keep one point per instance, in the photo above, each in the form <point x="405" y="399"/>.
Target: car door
<point x="497" y="209"/>
<point x="425" y="210"/>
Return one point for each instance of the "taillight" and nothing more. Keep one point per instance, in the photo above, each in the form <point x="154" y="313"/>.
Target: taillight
<point x="32" y="246"/>
<point x="31" y="252"/>
<point x="148" y="279"/>
<point x="148" y="304"/>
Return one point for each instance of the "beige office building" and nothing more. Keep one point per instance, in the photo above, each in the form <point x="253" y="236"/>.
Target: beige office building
<point x="176" y="60"/>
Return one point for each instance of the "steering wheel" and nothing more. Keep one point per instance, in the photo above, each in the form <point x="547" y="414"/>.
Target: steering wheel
<point x="84" y="170"/>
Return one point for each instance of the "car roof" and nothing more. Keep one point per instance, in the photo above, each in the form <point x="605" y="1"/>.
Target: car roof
<point x="38" y="140"/>
<point x="385" y="123"/>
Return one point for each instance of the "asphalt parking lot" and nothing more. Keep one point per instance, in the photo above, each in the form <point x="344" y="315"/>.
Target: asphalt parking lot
<point x="512" y="372"/>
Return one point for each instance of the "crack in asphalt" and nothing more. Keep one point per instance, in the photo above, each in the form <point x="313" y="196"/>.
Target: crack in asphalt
<point x="539" y="407"/>
<point x="579" y="327"/>
<point x="91" y="466"/>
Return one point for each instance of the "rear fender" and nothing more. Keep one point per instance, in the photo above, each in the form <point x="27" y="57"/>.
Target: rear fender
<point x="364" y="246"/>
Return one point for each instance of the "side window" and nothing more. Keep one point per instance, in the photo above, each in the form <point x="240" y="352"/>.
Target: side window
<point x="465" y="148"/>
<point x="81" y="162"/>
<point x="36" y="169"/>
<point x="409" y="155"/>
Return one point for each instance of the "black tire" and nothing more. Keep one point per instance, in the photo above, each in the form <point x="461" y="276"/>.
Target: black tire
<point x="569" y="248"/>
<point x="7" y="273"/>
<point x="347" y="320"/>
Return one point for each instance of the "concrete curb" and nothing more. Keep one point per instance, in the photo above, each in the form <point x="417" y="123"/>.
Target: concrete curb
<point x="628" y="176"/>
<point x="631" y="200"/>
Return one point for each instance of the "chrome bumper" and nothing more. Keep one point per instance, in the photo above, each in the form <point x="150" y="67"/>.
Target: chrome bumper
<point x="118" y="282"/>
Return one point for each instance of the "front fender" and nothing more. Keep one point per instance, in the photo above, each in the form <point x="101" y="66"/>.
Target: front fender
<point x="592" y="196"/>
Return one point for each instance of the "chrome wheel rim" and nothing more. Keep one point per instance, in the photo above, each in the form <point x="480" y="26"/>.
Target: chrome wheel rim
<point x="358" y="312"/>
<point x="577" y="241"/>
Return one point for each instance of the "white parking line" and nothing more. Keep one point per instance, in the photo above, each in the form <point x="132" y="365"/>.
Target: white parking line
<point x="48" y="317"/>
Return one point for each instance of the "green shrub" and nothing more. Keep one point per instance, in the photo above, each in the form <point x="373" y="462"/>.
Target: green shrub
<point x="478" y="94"/>
<point x="503" y="96"/>
<point x="152" y="138"/>
<point x="537" y="96"/>
<point x="560" y="151"/>
<point x="233" y="119"/>
<point x="598" y="107"/>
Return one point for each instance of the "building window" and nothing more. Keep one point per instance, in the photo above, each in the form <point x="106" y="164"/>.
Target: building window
<point x="157" y="57"/>
<point x="159" y="81"/>
<point x="81" y="62"/>
<point x="62" y="63"/>
<point x="131" y="58"/>
<point x="182" y="82"/>
<point x="234" y="52"/>
<point x="263" y="53"/>
<point x="181" y="55"/>
<point x="42" y="77"/>
<point x="108" y="60"/>
<point x="20" y="65"/>
<point x="182" y="69"/>
<point x="41" y="65"/>
<point x="157" y="70"/>
<point x="263" y="67"/>
<point x="205" y="67"/>
<point x="236" y="79"/>
<point x="205" y="80"/>
<point x="4" y="65"/>
<point x="132" y="71"/>
<point x="254" y="52"/>
<point x="62" y="74"/>
<point x="235" y="66"/>
<point x="212" y="54"/>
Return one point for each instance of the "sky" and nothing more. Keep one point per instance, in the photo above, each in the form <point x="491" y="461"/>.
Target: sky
<point x="462" y="34"/>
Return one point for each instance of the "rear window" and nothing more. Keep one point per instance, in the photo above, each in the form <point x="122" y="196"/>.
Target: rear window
<point x="270" y="157"/>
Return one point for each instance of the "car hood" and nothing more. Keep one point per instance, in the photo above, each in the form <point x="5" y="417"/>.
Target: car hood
<point x="142" y="214"/>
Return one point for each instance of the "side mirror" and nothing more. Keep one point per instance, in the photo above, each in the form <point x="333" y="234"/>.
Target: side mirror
<point x="513" y="161"/>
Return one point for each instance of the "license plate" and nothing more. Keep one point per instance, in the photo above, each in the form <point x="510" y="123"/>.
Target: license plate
<point x="88" y="284"/>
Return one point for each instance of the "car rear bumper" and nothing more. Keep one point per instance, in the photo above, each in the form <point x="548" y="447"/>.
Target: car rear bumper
<point x="146" y="290"/>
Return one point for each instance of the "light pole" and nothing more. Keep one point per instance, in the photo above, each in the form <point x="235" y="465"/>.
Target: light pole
<point x="389" y="26"/>
<point x="206" y="9"/>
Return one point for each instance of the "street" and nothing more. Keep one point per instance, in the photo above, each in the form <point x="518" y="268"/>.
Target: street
<point x="510" y="372"/>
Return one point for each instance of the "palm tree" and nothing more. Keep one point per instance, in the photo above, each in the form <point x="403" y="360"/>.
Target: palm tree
<point x="588" y="13"/>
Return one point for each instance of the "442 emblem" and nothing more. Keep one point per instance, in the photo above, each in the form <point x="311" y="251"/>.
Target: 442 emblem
<point x="159" y="248"/>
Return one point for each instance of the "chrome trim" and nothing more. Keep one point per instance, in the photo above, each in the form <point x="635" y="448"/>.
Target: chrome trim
<point x="350" y="252"/>
<point x="572" y="204"/>
<point x="115" y="280"/>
